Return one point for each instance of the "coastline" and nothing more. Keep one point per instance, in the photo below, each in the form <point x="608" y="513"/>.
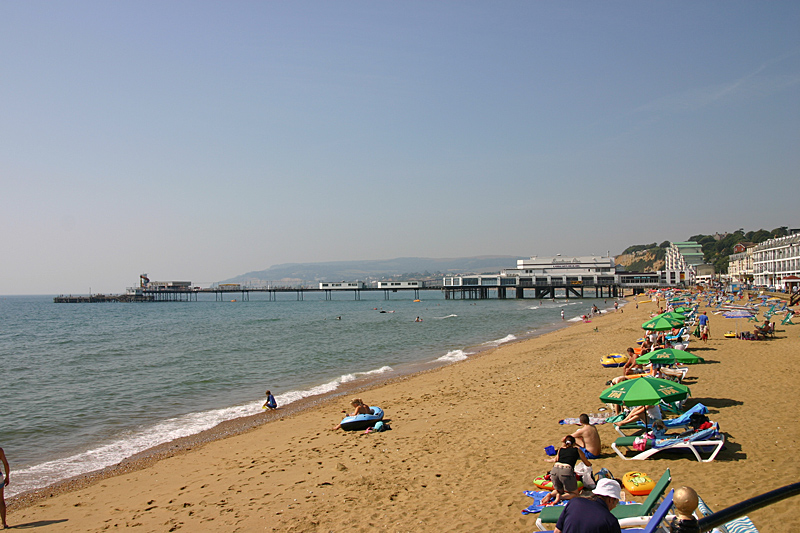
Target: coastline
<point x="467" y="439"/>
<point x="237" y="426"/>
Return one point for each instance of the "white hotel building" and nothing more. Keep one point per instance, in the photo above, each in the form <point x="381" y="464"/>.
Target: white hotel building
<point x="775" y="259"/>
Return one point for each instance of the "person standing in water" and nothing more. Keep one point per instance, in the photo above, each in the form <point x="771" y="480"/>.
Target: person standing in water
<point x="270" y="403"/>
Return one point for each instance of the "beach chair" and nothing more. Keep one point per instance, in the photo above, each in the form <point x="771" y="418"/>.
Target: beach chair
<point x="740" y="525"/>
<point x="787" y="320"/>
<point x="708" y="441"/>
<point x="680" y="422"/>
<point x="549" y="515"/>
<point x="653" y="522"/>
<point x="678" y="336"/>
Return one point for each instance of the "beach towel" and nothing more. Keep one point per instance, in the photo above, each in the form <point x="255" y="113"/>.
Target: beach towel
<point x="537" y="496"/>
<point x="574" y="421"/>
<point x="537" y="506"/>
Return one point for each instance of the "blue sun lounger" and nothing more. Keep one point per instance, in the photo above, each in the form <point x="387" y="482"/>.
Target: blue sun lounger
<point x="681" y="421"/>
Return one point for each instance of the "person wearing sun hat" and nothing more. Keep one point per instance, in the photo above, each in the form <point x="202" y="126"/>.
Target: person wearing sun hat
<point x="593" y="514"/>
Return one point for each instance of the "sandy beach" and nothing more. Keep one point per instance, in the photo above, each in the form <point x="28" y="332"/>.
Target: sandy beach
<point x="466" y="441"/>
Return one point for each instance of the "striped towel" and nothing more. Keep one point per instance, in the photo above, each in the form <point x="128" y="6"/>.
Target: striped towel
<point x="740" y="525"/>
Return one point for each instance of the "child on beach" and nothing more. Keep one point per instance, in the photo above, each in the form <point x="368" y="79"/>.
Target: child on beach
<point x="270" y="403"/>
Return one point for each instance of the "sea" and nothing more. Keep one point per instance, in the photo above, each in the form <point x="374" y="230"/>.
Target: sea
<point x="85" y="386"/>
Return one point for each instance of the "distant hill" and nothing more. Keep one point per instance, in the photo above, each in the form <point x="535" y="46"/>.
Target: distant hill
<point x="402" y="268"/>
<point x="716" y="249"/>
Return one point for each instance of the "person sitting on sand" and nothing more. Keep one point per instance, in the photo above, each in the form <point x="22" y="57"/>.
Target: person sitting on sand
<point x="593" y="513"/>
<point x="631" y="366"/>
<point x="360" y="408"/>
<point x="587" y="438"/>
<point x="653" y="412"/>
<point x="270" y="403"/>
<point x="565" y="486"/>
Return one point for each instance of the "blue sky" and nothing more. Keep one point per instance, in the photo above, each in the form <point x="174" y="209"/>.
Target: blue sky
<point x="201" y="140"/>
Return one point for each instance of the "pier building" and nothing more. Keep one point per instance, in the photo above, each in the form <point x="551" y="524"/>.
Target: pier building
<point x="543" y="276"/>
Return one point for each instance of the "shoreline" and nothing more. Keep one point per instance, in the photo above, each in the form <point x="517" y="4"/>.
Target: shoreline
<point x="240" y="425"/>
<point x="466" y="441"/>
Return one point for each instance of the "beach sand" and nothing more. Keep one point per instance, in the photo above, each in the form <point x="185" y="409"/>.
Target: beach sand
<point x="466" y="441"/>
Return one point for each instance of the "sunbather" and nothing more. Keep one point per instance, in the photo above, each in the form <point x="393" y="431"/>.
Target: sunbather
<point x="631" y="366"/>
<point x="652" y="412"/>
<point x="587" y="438"/>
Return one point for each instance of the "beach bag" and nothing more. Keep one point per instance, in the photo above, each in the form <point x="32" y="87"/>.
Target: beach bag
<point x="585" y="473"/>
<point x="604" y="473"/>
<point x="640" y="444"/>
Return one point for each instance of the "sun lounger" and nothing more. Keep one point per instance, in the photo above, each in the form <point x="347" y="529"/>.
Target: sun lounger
<point x="678" y="336"/>
<point x="707" y="441"/>
<point x="681" y="421"/>
<point x="549" y="515"/>
<point x="787" y="320"/>
<point x="653" y="523"/>
<point x="740" y="525"/>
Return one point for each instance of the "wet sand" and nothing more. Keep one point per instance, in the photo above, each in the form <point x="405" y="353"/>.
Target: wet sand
<point x="466" y="441"/>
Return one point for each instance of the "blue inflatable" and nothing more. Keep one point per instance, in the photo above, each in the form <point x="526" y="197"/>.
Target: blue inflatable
<point x="354" y="423"/>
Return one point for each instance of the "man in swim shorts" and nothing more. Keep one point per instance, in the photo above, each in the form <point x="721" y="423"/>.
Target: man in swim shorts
<point x="587" y="438"/>
<point x="4" y="480"/>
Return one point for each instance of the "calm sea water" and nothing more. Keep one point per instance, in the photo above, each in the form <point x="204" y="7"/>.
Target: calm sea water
<point x="87" y="385"/>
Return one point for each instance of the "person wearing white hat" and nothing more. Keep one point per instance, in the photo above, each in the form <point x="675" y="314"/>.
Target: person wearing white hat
<point x="592" y="515"/>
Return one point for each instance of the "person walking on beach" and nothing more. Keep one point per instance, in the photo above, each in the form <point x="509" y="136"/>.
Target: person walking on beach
<point x="270" y="403"/>
<point x="562" y="315"/>
<point x="4" y="481"/>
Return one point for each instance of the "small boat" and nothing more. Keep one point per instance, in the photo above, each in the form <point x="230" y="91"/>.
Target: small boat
<point x="614" y="360"/>
<point x="358" y="422"/>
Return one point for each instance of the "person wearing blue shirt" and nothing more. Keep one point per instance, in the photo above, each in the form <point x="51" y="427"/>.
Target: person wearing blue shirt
<point x="271" y="403"/>
<point x="592" y="515"/>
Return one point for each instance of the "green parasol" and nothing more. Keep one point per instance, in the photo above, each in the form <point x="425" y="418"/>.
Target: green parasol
<point x="657" y="358"/>
<point x="674" y="314"/>
<point x="662" y="323"/>
<point x="644" y="391"/>
<point x="680" y="356"/>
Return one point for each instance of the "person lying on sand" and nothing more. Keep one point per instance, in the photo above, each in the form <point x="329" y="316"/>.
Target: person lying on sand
<point x="360" y="408"/>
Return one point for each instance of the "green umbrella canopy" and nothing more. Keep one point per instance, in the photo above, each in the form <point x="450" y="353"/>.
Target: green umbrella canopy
<point x="662" y="358"/>
<point x="644" y="391"/>
<point x="680" y="357"/>
<point x="662" y="323"/>
<point x="683" y="310"/>
<point x="674" y="314"/>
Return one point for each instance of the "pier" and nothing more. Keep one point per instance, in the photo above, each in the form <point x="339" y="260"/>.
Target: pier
<point x="472" y="287"/>
<point x="537" y="291"/>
